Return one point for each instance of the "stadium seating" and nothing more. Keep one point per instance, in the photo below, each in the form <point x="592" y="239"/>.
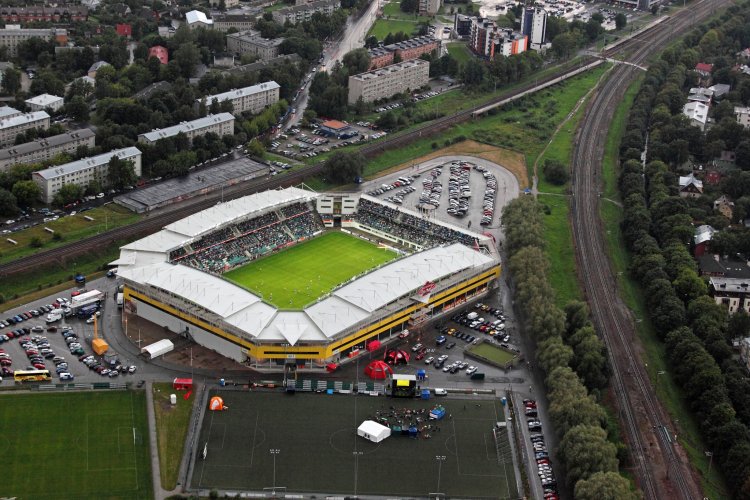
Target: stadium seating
<point x="241" y="242"/>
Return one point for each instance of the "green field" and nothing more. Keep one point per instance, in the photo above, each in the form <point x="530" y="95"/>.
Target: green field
<point x="83" y="445"/>
<point x="297" y="276"/>
<point x="172" y="423"/>
<point x="382" y="27"/>
<point x="493" y="353"/>
<point x="315" y="435"/>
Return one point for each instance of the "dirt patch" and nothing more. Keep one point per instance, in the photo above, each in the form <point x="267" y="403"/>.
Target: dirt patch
<point x="510" y="160"/>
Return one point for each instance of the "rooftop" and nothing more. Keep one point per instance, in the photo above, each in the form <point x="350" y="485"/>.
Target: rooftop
<point x="85" y="163"/>
<point x="55" y="140"/>
<point x="200" y="123"/>
<point x="727" y="267"/>
<point x="196" y="16"/>
<point x="335" y="124"/>
<point x="246" y="91"/>
<point x="737" y="285"/>
<point x="392" y="68"/>
<point x="15" y="121"/>
<point x="44" y="100"/>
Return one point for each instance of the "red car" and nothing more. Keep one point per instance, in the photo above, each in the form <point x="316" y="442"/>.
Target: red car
<point x="421" y="354"/>
<point x="39" y="366"/>
<point x="5" y="362"/>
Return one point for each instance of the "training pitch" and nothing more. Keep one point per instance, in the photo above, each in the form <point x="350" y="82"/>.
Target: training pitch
<point x="313" y="440"/>
<point x="300" y="274"/>
<point x="83" y="445"/>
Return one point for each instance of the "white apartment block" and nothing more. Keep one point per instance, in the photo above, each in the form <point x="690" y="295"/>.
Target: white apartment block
<point x="11" y="36"/>
<point x="253" y="99"/>
<point x="250" y="42"/>
<point x="220" y="124"/>
<point x="83" y="172"/>
<point x="45" y="149"/>
<point x="429" y="7"/>
<point x="299" y="13"/>
<point x="743" y="116"/>
<point x="8" y="112"/>
<point x="14" y="125"/>
<point x="225" y="22"/>
<point x="44" y="101"/>
<point x="389" y="80"/>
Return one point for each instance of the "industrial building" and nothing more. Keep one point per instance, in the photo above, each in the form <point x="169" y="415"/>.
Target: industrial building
<point x="220" y="124"/>
<point x="11" y="126"/>
<point x="46" y="149"/>
<point x="390" y="80"/>
<point x="82" y="172"/>
<point x="161" y="288"/>
<point x="253" y="99"/>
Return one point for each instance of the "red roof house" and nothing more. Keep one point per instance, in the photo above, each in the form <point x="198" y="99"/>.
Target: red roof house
<point x="159" y="52"/>
<point x="124" y="30"/>
<point x="705" y="69"/>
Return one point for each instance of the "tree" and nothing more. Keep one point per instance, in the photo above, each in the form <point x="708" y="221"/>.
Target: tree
<point x="621" y="20"/>
<point x="585" y="451"/>
<point x="77" y="109"/>
<point x="344" y="167"/>
<point x="409" y="6"/>
<point x="604" y="486"/>
<point x="255" y="149"/>
<point x="7" y="203"/>
<point x="26" y="192"/>
<point x="689" y="285"/>
<point x="11" y="81"/>
<point x="187" y="57"/>
<point x="121" y="173"/>
<point x="67" y="194"/>
<point x="742" y="155"/>
<point x="356" y="61"/>
<point x="556" y="172"/>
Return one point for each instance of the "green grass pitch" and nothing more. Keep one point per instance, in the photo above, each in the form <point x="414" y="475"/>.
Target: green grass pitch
<point x="315" y="435"/>
<point x="75" y="446"/>
<point x="298" y="275"/>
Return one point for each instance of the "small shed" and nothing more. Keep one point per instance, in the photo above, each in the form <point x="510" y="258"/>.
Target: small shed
<point x="336" y="128"/>
<point x="158" y="348"/>
<point x="373" y="431"/>
<point x="183" y="384"/>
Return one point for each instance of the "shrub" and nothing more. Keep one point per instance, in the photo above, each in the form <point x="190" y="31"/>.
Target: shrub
<point x="556" y="172"/>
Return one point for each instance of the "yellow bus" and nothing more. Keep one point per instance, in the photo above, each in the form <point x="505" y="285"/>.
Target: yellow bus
<point x="31" y="375"/>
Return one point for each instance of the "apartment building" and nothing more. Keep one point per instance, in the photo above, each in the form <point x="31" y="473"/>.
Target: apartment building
<point x="45" y="149"/>
<point x="83" y="172"/>
<point x="12" y="35"/>
<point x="228" y="4"/>
<point x="534" y="26"/>
<point x="733" y="293"/>
<point x="8" y="112"/>
<point x="44" y="101"/>
<point x="250" y="42"/>
<point x="407" y="50"/>
<point x="462" y="26"/>
<point x="12" y="126"/>
<point x="220" y="124"/>
<point x="487" y="39"/>
<point x="241" y="22"/>
<point x="196" y="19"/>
<point x="299" y="13"/>
<point x="62" y="13"/>
<point x="253" y="99"/>
<point x="429" y="7"/>
<point x="389" y="80"/>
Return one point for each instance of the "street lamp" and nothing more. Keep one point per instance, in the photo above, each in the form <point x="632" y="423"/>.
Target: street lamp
<point x="658" y="374"/>
<point x="710" y="455"/>
<point x="440" y="459"/>
<point x="274" y="452"/>
<point x="356" y="469"/>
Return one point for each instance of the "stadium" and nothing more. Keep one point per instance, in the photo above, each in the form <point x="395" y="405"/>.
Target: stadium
<point x="294" y="277"/>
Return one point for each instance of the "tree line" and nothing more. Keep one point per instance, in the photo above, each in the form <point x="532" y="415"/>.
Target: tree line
<point x="572" y="357"/>
<point x="657" y="227"/>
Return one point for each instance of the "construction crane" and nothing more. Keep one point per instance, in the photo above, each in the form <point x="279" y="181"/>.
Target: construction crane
<point x="99" y="345"/>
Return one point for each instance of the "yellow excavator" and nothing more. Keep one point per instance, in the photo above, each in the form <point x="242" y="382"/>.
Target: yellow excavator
<point x="99" y="345"/>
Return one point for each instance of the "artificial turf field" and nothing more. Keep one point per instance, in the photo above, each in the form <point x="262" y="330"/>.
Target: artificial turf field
<point x="75" y="445"/>
<point x="316" y="438"/>
<point x="298" y="275"/>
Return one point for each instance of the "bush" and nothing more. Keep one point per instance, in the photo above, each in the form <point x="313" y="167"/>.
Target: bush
<point x="36" y="242"/>
<point x="556" y="172"/>
<point x="57" y="237"/>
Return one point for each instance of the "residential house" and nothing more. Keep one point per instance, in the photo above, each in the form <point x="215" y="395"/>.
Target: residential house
<point x="743" y="116"/>
<point x="700" y="94"/>
<point x="697" y="112"/>
<point x="702" y="239"/>
<point x="96" y="67"/>
<point x="196" y="19"/>
<point x="124" y="30"/>
<point x="44" y="101"/>
<point x="733" y="293"/>
<point x="724" y="206"/>
<point x="159" y="52"/>
<point x="723" y="266"/>
<point x="704" y="69"/>
<point x="720" y="90"/>
<point x="690" y="187"/>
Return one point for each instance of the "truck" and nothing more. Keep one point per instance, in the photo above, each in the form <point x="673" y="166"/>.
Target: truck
<point x="85" y="298"/>
<point x="119" y="300"/>
<point x="87" y="310"/>
<point x="54" y="315"/>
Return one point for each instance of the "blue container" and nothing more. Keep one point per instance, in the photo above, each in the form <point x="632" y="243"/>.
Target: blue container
<point x="425" y="394"/>
<point x="329" y="391"/>
<point x="221" y="382"/>
<point x="504" y="401"/>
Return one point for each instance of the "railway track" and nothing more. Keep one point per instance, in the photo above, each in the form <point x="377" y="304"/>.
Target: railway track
<point x="646" y="423"/>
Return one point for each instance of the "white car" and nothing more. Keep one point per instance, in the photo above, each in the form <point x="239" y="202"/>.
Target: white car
<point x="429" y="360"/>
<point x="471" y="370"/>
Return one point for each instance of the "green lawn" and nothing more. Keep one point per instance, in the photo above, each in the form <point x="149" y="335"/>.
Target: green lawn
<point x="70" y="228"/>
<point x="560" y="251"/>
<point x="297" y="276"/>
<point x="459" y="51"/>
<point x="382" y="27"/>
<point x="492" y="352"/>
<point x="171" y="428"/>
<point x="78" y="445"/>
<point x="393" y="10"/>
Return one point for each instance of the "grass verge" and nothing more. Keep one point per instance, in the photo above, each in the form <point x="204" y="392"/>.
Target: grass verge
<point x="70" y="228"/>
<point x="610" y="172"/>
<point x="560" y="251"/>
<point x="459" y="51"/>
<point x="172" y="423"/>
<point x="382" y="27"/>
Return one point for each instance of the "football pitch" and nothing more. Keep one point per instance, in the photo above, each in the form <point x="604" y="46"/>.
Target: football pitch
<point x="298" y="275"/>
<point x="82" y="445"/>
<point x="312" y="439"/>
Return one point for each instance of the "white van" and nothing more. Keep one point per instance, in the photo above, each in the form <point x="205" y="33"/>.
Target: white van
<point x="440" y="392"/>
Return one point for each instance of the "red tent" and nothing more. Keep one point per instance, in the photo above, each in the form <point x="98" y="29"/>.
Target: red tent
<point x="374" y="345"/>
<point x="378" y="370"/>
<point x="397" y="357"/>
<point x="332" y="367"/>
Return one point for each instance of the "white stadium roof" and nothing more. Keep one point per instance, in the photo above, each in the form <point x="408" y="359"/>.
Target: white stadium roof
<point x="146" y="262"/>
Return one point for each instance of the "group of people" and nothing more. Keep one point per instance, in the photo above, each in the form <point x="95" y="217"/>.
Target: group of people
<point x="408" y="418"/>
<point x="249" y="239"/>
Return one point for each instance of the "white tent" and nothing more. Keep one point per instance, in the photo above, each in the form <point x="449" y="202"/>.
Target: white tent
<point x="373" y="431"/>
<point x="158" y="348"/>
